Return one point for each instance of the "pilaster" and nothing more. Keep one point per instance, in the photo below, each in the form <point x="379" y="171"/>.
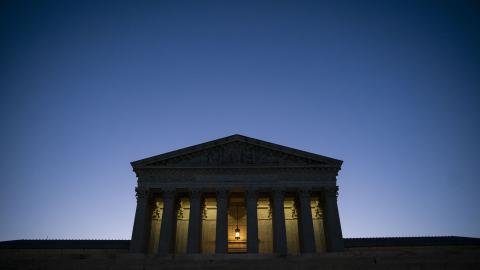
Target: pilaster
<point x="279" y="230"/>
<point x="252" y="221"/>
<point x="195" y="222"/>
<point x="333" y="229"/>
<point x="167" y="232"/>
<point x="221" y="240"/>
<point x="138" y="244"/>
<point x="307" y="236"/>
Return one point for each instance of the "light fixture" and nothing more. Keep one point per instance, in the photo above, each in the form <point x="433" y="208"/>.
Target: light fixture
<point x="237" y="233"/>
<point x="237" y="230"/>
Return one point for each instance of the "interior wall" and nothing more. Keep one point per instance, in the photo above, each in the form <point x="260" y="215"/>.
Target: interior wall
<point x="181" y="235"/>
<point x="265" y="229"/>
<point x="156" y="223"/>
<point x="291" y="225"/>
<point x="209" y="225"/>
<point x="318" y="227"/>
<point x="209" y="220"/>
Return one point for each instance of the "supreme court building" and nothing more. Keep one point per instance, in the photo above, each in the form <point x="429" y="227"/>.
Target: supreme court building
<point x="239" y="203"/>
<point x="236" y="195"/>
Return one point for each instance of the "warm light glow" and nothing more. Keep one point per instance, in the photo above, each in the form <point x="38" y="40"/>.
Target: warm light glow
<point x="237" y="233"/>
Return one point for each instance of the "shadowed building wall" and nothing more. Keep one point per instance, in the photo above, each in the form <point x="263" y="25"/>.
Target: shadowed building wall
<point x="291" y="225"/>
<point x="236" y="210"/>
<point x="181" y="234"/>
<point x="209" y="221"/>
<point x="236" y="195"/>
<point x="265" y="232"/>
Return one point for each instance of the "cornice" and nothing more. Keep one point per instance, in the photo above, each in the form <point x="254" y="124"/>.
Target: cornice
<point x="152" y="171"/>
<point x="238" y="167"/>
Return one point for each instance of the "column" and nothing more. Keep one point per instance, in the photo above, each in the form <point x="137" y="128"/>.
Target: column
<point x="167" y="232"/>
<point x="140" y="232"/>
<point x="307" y="236"/>
<point x="279" y="231"/>
<point x="252" y="221"/>
<point x="221" y="240"/>
<point x="195" y="222"/>
<point x="333" y="230"/>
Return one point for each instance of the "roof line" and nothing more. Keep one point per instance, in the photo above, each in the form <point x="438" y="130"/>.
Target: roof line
<point x="235" y="137"/>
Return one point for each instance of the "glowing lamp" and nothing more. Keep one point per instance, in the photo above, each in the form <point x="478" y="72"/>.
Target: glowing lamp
<point x="237" y="233"/>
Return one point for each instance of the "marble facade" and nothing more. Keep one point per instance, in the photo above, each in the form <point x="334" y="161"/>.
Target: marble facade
<point x="192" y="200"/>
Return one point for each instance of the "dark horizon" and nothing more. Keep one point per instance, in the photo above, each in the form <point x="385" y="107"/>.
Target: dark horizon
<point x="392" y="89"/>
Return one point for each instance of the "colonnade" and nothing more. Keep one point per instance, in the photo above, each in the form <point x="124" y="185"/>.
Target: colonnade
<point x="333" y="233"/>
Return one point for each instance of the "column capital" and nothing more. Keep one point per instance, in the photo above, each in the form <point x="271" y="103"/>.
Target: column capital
<point x="169" y="193"/>
<point x="222" y="194"/>
<point x="330" y="191"/>
<point x="304" y="192"/>
<point x="251" y="193"/>
<point x="195" y="193"/>
<point x="141" y="193"/>
<point x="278" y="191"/>
<point x="156" y="210"/>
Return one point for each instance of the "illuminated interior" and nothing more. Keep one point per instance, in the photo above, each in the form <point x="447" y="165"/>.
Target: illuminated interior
<point x="181" y="234"/>
<point x="265" y="229"/>
<point x="318" y="227"/>
<point x="291" y="225"/>
<point x="237" y="224"/>
<point x="209" y="224"/>
<point x="237" y="218"/>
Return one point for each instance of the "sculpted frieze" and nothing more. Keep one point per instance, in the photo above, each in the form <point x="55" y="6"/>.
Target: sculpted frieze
<point x="237" y="154"/>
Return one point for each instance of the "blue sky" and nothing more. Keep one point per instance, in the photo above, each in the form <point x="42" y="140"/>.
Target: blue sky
<point x="392" y="88"/>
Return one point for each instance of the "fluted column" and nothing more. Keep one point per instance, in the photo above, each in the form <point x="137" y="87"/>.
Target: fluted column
<point x="221" y="240"/>
<point x="307" y="236"/>
<point x="140" y="232"/>
<point x="252" y="221"/>
<point x="167" y="232"/>
<point x="194" y="223"/>
<point x="333" y="229"/>
<point x="279" y="231"/>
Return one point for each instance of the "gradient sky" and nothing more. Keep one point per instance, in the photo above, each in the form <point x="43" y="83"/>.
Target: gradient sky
<point x="390" y="87"/>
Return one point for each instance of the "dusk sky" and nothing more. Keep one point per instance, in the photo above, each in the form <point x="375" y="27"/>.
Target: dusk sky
<point x="392" y="88"/>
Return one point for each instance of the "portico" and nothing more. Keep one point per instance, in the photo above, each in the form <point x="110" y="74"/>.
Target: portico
<point x="236" y="195"/>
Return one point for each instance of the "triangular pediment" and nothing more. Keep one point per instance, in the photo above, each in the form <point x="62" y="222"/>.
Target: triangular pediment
<point x="236" y="151"/>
